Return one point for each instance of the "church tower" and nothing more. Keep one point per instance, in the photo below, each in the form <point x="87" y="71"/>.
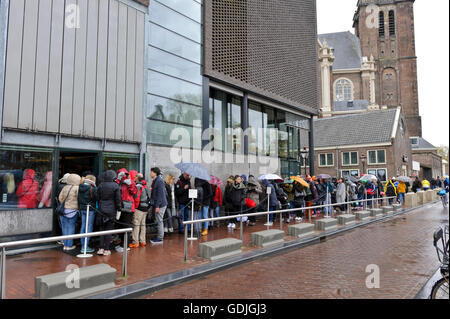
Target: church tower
<point x="386" y="32"/>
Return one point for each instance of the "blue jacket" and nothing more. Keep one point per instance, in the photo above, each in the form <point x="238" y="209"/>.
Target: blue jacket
<point x="273" y="195"/>
<point x="159" y="193"/>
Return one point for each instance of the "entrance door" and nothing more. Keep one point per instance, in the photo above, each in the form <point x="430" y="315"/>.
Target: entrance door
<point x="78" y="163"/>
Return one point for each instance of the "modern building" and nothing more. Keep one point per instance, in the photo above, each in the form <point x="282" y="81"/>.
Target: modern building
<point x="374" y="143"/>
<point x="91" y="85"/>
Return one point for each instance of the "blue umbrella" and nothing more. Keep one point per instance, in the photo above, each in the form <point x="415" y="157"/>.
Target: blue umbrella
<point x="194" y="169"/>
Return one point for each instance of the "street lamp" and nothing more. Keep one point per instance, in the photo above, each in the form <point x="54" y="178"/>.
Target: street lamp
<point x="363" y="161"/>
<point x="304" y="154"/>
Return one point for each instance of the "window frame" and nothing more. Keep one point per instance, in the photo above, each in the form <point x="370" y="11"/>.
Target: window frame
<point x="352" y="89"/>
<point x="376" y="170"/>
<point x="350" y="158"/>
<point x="376" y="155"/>
<point x="350" y="172"/>
<point x="326" y="160"/>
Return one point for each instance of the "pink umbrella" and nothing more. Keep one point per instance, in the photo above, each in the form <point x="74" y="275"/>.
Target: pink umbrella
<point x="215" y="181"/>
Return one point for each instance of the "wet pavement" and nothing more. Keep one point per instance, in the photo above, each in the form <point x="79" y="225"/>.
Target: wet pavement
<point x="401" y="247"/>
<point x="332" y="269"/>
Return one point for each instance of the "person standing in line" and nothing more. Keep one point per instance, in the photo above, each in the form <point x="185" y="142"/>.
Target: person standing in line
<point x="87" y="195"/>
<point x="238" y="194"/>
<point x="205" y="201"/>
<point x="390" y="190"/>
<point x="159" y="197"/>
<point x="273" y="200"/>
<point x="401" y="191"/>
<point x="340" y="194"/>
<point x="109" y="199"/>
<point x="254" y="192"/>
<point x="216" y="203"/>
<point x="69" y="196"/>
<point x="227" y="196"/>
<point x="182" y="197"/>
<point x="142" y="204"/>
<point x="417" y="185"/>
<point x="170" y="211"/>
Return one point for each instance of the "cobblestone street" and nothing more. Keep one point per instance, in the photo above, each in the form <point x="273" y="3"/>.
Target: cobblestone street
<point x="401" y="247"/>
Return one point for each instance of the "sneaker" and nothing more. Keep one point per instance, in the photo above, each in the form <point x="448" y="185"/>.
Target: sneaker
<point x="142" y="244"/>
<point x="170" y="230"/>
<point x="60" y="242"/>
<point x="88" y="250"/>
<point x="107" y="253"/>
<point x="156" y="241"/>
<point x="134" y="245"/>
<point x="204" y="232"/>
<point x="270" y="224"/>
<point x="230" y="225"/>
<point x="101" y="251"/>
<point x="233" y="225"/>
<point x="70" y="248"/>
<point x="119" y="249"/>
<point x="166" y="230"/>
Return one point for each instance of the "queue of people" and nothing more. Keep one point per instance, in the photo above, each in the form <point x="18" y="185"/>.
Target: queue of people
<point x="125" y="199"/>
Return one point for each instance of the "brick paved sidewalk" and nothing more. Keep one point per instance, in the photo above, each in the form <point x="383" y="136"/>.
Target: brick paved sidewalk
<point x="143" y="263"/>
<point x="401" y="247"/>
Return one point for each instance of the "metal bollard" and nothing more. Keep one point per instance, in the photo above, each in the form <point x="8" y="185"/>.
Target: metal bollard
<point x="3" y="275"/>
<point x="281" y="221"/>
<point x="242" y="229"/>
<point x="185" y="242"/>
<point x="125" y="254"/>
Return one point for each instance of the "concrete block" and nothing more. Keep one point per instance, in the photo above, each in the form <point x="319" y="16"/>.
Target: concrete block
<point x="221" y="248"/>
<point x="376" y="212"/>
<point x="77" y="283"/>
<point x="429" y="196"/>
<point x="397" y="207"/>
<point x="301" y="230"/>
<point x="363" y="215"/>
<point x="267" y="238"/>
<point x="420" y="198"/>
<point x="326" y="224"/>
<point x="387" y="210"/>
<point x="411" y="200"/>
<point x="346" y="219"/>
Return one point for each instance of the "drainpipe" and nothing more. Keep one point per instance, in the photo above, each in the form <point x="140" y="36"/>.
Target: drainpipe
<point x="4" y="6"/>
<point x="143" y="145"/>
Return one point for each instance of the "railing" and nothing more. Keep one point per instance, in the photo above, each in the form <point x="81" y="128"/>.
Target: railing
<point x="192" y="222"/>
<point x="3" y="247"/>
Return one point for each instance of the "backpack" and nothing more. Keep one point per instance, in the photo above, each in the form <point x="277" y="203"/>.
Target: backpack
<point x="145" y="201"/>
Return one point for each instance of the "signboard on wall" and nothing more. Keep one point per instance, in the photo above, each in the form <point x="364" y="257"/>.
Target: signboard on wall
<point x="416" y="166"/>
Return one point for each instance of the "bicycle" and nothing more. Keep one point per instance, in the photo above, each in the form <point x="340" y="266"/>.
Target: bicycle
<point x="443" y="195"/>
<point x="440" y="288"/>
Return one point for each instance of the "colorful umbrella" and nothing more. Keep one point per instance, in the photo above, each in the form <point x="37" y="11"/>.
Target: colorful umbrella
<point x="368" y="177"/>
<point x="300" y="180"/>
<point x="215" y="181"/>
<point x="195" y="170"/>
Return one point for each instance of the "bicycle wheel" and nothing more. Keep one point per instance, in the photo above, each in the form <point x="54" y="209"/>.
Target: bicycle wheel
<point x="440" y="289"/>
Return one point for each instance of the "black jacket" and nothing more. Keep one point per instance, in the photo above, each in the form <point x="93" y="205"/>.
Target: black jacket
<point x="207" y="192"/>
<point x="87" y="194"/>
<point x="237" y="194"/>
<point x="109" y="194"/>
<point x="181" y="194"/>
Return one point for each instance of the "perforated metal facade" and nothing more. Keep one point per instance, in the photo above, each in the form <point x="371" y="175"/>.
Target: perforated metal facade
<point x="268" y="47"/>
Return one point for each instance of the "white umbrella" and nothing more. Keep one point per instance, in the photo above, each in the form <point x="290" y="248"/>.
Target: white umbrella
<point x="404" y="179"/>
<point x="368" y="177"/>
<point x="270" y="177"/>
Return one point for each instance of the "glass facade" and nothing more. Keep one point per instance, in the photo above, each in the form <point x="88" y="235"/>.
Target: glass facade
<point x="113" y="161"/>
<point x="26" y="177"/>
<point x="174" y="93"/>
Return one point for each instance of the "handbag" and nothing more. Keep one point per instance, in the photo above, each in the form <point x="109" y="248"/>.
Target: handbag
<point x="60" y="207"/>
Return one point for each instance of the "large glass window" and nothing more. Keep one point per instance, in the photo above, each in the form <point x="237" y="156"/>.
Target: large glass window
<point x="173" y="65"/>
<point x="26" y="176"/>
<point x="174" y="43"/>
<point x="255" y="125"/>
<point x="114" y="161"/>
<point x="349" y="158"/>
<point x="163" y="109"/>
<point x="326" y="160"/>
<point x="377" y="157"/>
<point x="174" y="21"/>
<point x="172" y="88"/>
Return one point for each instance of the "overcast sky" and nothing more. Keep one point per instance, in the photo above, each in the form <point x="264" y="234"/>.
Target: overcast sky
<point x="432" y="50"/>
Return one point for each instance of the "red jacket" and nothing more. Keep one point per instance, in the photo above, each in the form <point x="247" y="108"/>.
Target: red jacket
<point x="28" y="190"/>
<point x="218" y="196"/>
<point x="128" y="191"/>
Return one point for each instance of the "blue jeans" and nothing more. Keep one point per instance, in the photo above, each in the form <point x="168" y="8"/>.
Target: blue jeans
<point x="215" y="212"/>
<point x="85" y="241"/>
<point x="328" y="209"/>
<point x="68" y="228"/>
<point x="271" y="209"/>
<point x="183" y="216"/>
<point x="401" y="197"/>
<point x="203" y="214"/>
